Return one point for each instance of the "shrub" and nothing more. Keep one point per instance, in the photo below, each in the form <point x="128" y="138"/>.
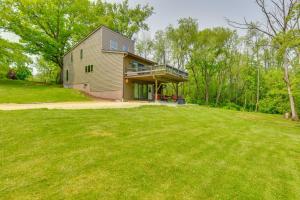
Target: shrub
<point x="190" y="100"/>
<point x="274" y="105"/>
<point x="23" y="72"/>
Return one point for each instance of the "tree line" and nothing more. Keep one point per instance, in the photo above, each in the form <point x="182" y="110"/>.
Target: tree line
<point x="255" y="72"/>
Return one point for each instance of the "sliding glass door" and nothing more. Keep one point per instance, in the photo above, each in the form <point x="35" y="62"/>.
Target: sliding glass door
<point x="141" y="91"/>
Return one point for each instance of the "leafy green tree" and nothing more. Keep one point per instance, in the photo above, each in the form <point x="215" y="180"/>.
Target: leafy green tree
<point x="144" y="47"/>
<point x="46" y="27"/>
<point x="182" y="40"/>
<point x="11" y="54"/>
<point x="46" y="71"/>
<point x="120" y="17"/>
<point x="161" y="47"/>
<point x="209" y="54"/>
<point x="256" y="44"/>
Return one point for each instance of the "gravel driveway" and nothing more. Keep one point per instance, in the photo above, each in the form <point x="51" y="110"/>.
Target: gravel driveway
<point x="77" y="105"/>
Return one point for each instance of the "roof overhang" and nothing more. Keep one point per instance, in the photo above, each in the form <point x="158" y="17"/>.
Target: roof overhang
<point x="128" y="54"/>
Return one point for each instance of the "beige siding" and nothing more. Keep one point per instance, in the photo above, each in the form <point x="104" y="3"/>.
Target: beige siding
<point x="108" y="73"/>
<point x="128" y="90"/>
<point x="106" y="80"/>
<point x="108" y="35"/>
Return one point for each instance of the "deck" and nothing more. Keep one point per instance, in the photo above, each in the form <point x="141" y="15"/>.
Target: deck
<point x="164" y="73"/>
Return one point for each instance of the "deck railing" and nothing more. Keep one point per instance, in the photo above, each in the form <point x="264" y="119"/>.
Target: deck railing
<point x="154" y="70"/>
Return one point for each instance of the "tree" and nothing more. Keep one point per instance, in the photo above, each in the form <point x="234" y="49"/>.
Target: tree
<point x="256" y="44"/>
<point x="46" y="71"/>
<point x="182" y="40"/>
<point x="124" y="19"/>
<point x="281" y="21"/>
<point x="144" y="47"/>
<point x="46" y="27"/>
<point x="208" y="56"/>
<point x="11" y="54"/>
<point x="161" y="47"/>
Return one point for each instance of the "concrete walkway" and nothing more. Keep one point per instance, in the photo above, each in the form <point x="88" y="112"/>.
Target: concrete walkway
<point x="78" y="105"/>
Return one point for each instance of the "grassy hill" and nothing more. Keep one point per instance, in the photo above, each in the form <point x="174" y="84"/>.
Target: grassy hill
<point x="13" y="91"/>
<point x="188" y="152"/>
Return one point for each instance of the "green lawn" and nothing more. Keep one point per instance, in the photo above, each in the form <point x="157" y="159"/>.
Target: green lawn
<point x="13" y="91"/>
<point x="189" y="152"/>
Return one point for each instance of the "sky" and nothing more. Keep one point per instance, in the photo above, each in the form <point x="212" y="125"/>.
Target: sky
<point x="209" y="13"/>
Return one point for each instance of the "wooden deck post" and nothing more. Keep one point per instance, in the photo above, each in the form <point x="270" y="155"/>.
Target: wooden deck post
<point x="177" y="90"/>
<point x="156" y="88"/>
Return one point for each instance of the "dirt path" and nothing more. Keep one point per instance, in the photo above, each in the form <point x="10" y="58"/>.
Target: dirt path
<point x="77" y="105"/>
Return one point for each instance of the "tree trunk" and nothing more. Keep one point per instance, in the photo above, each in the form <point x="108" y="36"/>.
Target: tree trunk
<point x="206" y="85"/>
<point x="60" y="76"/>
<point x="219" y="90"/>
<point x="206" y="92"/>
<point x="257" y="90"/>
<point x="289" y="88"/>
<point x="196" y="82"/>
<point x="245" y="102"/>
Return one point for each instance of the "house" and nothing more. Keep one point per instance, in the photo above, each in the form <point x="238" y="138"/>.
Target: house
<point x="104" y="65"/>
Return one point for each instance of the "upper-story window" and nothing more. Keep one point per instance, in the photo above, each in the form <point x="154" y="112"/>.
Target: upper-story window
<point x="71" y="57"/>
<point x="113" y="45"/>
<point x="137" y="66"/>
<point x="125" y="47"/>
<point x="81" y="53"/>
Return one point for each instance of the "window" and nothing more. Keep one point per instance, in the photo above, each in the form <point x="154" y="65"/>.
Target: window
<point x="125" y="47"/>
<point x="81" y="53"/>
<point x="113" y="45"/>
<point x="140" y="91"/>
<point x="67" y="75"/>
<point x="71" y="57"/>
<point x="89" y="68"/>
<point x="137" y="66"/>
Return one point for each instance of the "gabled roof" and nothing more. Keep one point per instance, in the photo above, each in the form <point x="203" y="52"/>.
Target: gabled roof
<point x="91" y="33"/>
<point x="126" y="53"/>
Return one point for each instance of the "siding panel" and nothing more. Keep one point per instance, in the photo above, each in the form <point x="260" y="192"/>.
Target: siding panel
<point x="106" y="80"/>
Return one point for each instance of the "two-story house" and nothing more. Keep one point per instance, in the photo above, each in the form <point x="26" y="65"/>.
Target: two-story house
<point x="104" y="65"/>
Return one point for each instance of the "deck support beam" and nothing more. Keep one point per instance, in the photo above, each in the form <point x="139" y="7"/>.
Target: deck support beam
<point x="177" y="90"/>
<point x="156" y="90"/>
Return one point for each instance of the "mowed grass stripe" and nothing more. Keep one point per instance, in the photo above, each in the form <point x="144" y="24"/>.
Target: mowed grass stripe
<point x="188" y="152"/>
